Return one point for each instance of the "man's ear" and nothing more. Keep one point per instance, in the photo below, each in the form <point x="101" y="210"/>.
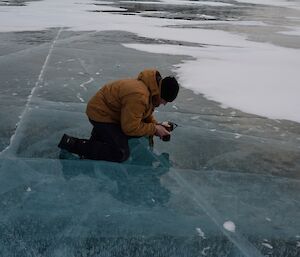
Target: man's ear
<point x="158" y="78"/>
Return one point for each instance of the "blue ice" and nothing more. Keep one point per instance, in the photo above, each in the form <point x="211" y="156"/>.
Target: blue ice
<point x="207" y="192"/>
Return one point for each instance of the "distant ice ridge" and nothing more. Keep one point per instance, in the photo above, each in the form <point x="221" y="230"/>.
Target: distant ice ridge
<point x="253" y="77"/>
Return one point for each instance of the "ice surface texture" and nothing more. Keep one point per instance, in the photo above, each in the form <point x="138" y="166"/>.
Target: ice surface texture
<point x="221" y="167"/>
<point x="214" y="169"/>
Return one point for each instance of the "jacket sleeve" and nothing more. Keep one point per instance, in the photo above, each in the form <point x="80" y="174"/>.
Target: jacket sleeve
<point x="150" y="119"/>
<point x="132" y="112"/>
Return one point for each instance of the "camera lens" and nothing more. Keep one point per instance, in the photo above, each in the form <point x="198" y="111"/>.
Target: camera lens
<point x="166" y="138"/>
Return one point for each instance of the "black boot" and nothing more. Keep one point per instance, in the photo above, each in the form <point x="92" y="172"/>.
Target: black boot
<point x="68" y="143"/>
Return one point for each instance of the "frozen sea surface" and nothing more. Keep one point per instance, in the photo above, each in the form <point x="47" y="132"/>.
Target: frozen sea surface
<point x="227" y="184"/>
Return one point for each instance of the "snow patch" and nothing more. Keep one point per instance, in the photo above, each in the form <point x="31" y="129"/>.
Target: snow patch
<point x="195" y="117"/>
<point x="291" y="32"/>
<point x="267" y="245"/>
<point x="266" y="76"/>
<point x="180" y="2"/>
<point x="200" y="233"/>
<point x="282" y="3"/>
<point x="229" y="225"/>
<point x="80" y="98"/>
<point x="237" y="135"/>
<point x="204" y="250"/>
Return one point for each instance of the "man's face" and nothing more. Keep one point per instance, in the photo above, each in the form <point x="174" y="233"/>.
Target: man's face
<point x="162" y="101"/>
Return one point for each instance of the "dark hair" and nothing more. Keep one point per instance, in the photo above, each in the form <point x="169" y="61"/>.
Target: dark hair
<point x="169" y="89"/>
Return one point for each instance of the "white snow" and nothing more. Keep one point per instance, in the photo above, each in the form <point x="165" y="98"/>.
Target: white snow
<point x="179" y="2"/>
<point x="200" y="233"/>
<point x="229" y="225"/>
<point x="267" y="245"/>
<point x="80" y="98"/>
<point x="281" y="3"/>
<point x="237" y="135"/>
<point x="101" y="8"/>
<point x="204" y="250"/>
<point x="258" y="78"/>
<point x="292" y="31"/>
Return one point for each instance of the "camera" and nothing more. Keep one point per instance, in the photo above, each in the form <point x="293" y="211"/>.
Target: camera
<point x="170" y="126"/>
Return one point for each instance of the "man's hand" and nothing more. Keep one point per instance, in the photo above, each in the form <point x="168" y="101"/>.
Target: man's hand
<point x="161" y="131"/>
<point x="166" y="124"/>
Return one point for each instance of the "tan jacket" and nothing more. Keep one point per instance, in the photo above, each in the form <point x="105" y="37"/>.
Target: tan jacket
<point x="127" y="102"/>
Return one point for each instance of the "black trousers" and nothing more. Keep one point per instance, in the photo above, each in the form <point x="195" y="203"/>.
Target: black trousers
<point x="107" y="142"/>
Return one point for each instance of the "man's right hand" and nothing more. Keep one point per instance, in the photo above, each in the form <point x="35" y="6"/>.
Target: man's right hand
<point x="161" y="131"/>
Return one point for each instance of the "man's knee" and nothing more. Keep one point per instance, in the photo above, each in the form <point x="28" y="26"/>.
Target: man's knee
<point x="124" y="155"/>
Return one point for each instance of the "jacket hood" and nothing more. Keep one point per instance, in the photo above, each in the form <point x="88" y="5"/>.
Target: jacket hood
<point x="149" y="79"/>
